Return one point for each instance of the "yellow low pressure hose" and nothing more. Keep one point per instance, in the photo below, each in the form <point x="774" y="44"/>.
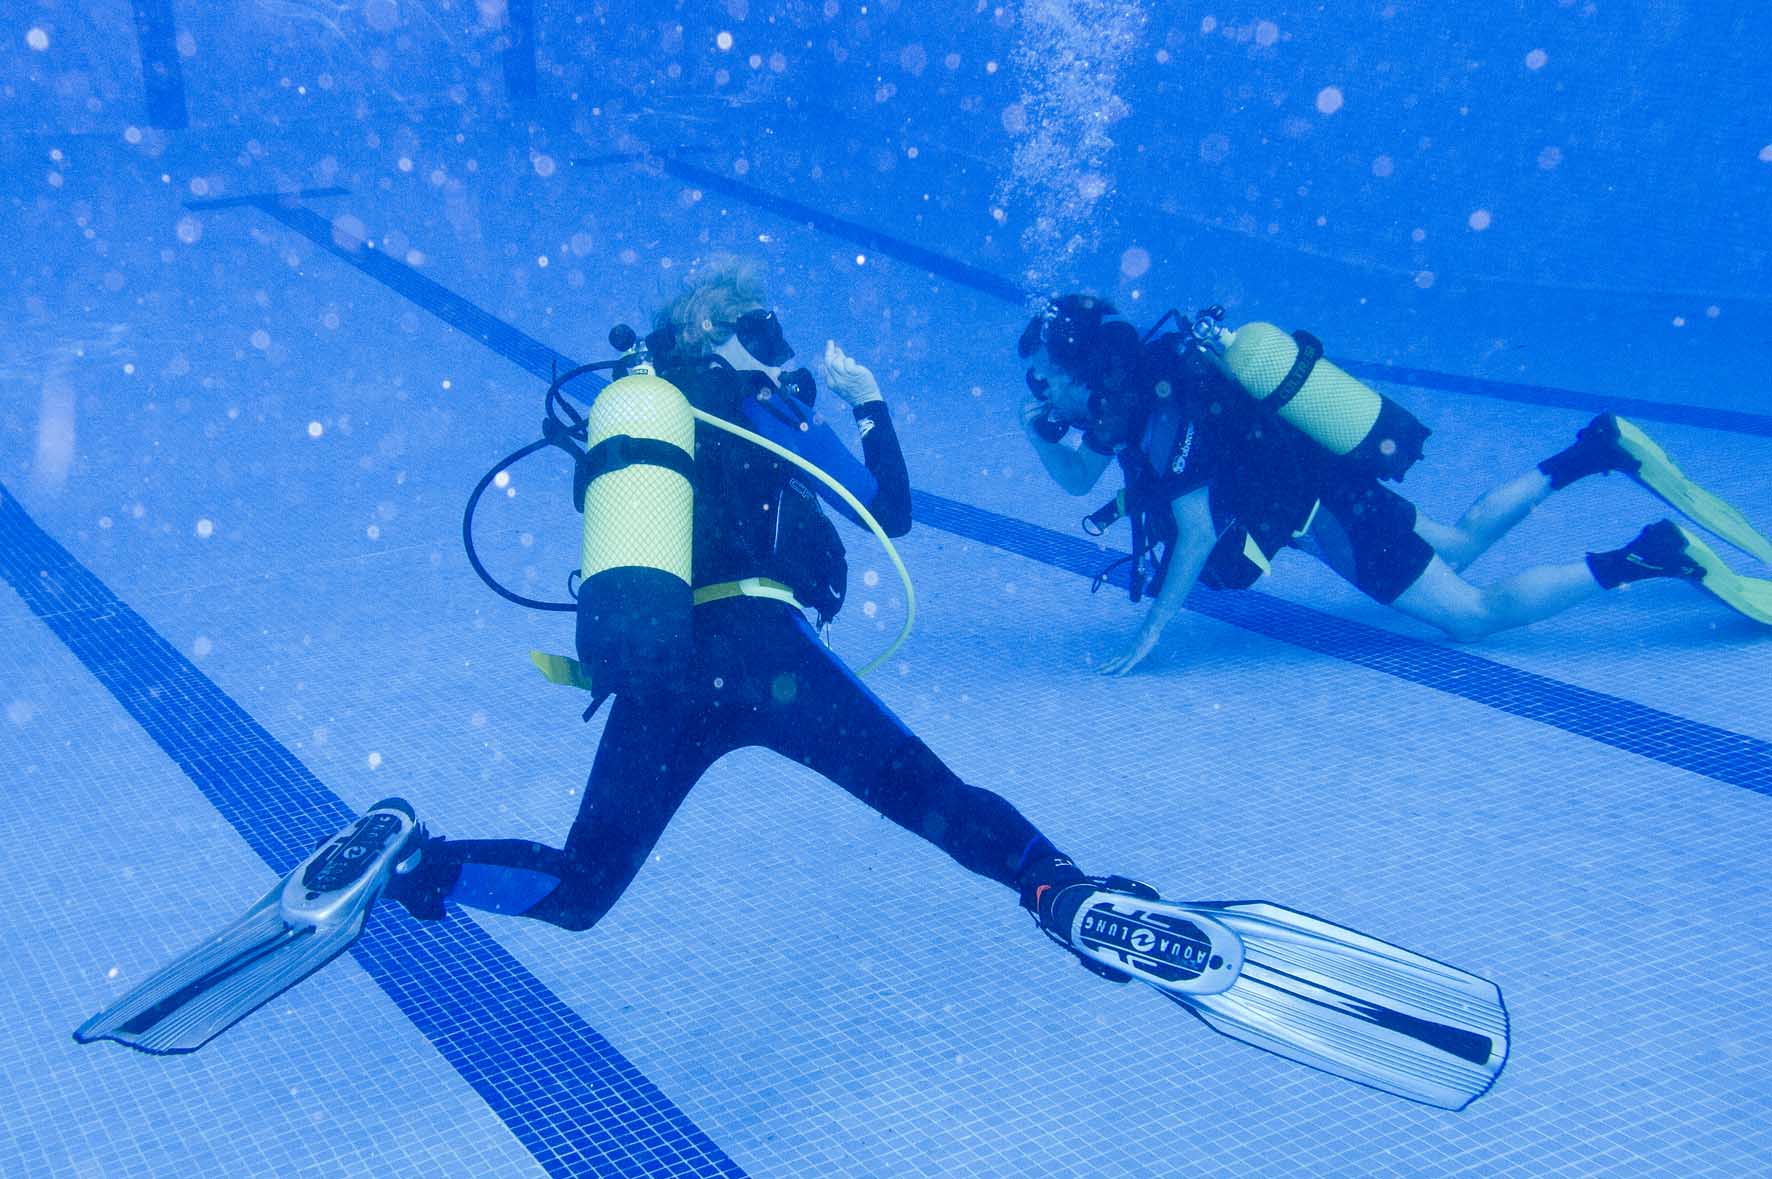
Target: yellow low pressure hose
<point x="866" y="517"/>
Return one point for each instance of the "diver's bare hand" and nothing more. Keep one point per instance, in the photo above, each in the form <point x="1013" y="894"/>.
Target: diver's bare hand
<point x="1134" y="655"/>
<point x="849" y="378"/>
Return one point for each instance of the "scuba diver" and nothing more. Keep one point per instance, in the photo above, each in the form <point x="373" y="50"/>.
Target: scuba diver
<point x="1237" y="444"/>
<point x="742" y="666"/>
<point x="705" y="545"/>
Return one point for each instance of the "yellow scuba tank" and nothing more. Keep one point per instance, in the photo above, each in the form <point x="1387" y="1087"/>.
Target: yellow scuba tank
<point x="1288" y="375"/>
<point x="635" y="603"/>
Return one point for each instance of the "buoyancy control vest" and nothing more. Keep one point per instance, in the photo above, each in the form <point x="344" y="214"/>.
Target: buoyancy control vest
<point x="1356" y="431"/>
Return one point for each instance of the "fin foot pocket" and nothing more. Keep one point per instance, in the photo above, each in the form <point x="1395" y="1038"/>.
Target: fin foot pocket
<point x="1121" y="929"/>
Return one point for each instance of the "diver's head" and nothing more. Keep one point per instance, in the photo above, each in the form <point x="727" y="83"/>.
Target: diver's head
<point x="1066" y="398"/>
<point x="1082" y="359"/>
<point x="723" y="310"/>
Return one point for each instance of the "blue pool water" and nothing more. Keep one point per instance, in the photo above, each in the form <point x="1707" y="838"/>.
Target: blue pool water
<point x="284" y="279"/>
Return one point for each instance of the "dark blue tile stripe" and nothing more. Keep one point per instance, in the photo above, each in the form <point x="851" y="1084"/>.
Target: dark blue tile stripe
<point x="1731" y="420"/>
<point x="1719" y="754"/>
<point x="850" y="231"/>
<point x="1001" y="288"/>
<point x="446" y="305"/>
<point x="519" y="54"/>
<point x="566" y="1093"/>
<point x="289" y="199"/>
<point x="1716" y="753"/>
<point x="163" y="80"/>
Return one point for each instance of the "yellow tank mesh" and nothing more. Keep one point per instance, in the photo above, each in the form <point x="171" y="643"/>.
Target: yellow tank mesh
<point x="1260" y="357"/>
<point x="1333" y="408"/>
<point x="641" y="515"/>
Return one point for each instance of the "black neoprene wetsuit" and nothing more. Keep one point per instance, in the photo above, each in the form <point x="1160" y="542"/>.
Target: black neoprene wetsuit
<point x="759" y="676"/>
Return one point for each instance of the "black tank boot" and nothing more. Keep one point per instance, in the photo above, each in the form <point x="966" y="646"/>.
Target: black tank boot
<point x="1596" y="451"/>
<point x="1658" y="551"/>
<point x="421" y="880"/>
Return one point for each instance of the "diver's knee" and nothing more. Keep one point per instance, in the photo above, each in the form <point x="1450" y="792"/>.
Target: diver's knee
<point x="574" y="910"/>
<point x="1473" y="623"/>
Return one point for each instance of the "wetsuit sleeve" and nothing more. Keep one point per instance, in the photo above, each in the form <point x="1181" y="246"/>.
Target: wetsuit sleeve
<point x="879" y="446"/>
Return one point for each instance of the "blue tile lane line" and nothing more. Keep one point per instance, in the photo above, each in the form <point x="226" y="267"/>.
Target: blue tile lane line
<point x="1719" y="754"/>
<point x="577" y="1104"/>
<point x="1716" y="753"/>
<point x="519" y="53"/>
<point x="163" y="80"/>
<point x="1001" y="288"/>
<point x="850" y="231"/>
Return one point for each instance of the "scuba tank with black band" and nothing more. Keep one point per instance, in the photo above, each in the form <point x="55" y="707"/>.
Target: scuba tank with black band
<point x="1289" y="376"/>
<point x="633" y="456"/>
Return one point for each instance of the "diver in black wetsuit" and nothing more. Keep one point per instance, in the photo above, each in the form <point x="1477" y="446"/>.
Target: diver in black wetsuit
<point x="1217" y="483"/>
<point x="758" y="674"/>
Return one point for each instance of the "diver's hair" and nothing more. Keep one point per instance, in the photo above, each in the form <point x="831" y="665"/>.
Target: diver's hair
<point x="713" y="295"/>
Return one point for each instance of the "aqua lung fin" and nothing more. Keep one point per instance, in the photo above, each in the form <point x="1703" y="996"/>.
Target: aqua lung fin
<point x="1295" y="985"/>
<point x="1658" y="473"/>
<point x="303" y="923"/>
<point x="1751" y="596"/>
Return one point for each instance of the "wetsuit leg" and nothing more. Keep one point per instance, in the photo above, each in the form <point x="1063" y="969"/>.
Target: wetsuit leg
<point x="650" y="756"/>
<point x="822" y="716"/>
<point x="772" y="683"/>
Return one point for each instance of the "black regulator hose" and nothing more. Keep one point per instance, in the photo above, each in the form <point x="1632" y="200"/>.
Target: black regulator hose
<point x="562" y="426"/>
<point x="467" y="532"/>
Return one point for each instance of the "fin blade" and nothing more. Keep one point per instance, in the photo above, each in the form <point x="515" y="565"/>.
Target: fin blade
<point x="183" y="1006"/>
<point x="1663" y="477"/>
<point x="1348" y="1004"/>
<point x="307" y="920"/>
<point x="1749" y="596"/>
<point x="250" y="935"/>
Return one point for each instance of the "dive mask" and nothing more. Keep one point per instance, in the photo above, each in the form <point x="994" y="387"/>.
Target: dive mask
<point x="760" y="334"/>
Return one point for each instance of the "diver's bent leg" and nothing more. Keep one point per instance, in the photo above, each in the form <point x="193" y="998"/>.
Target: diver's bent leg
<point x="1466" y="613"/>
<point x="647" y="761"/>
<point x="516" y="878"/>
<point x="1487" y="520"/>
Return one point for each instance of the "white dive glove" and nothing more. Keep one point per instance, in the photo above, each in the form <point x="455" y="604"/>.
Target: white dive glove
<point x="848" y="378"/>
